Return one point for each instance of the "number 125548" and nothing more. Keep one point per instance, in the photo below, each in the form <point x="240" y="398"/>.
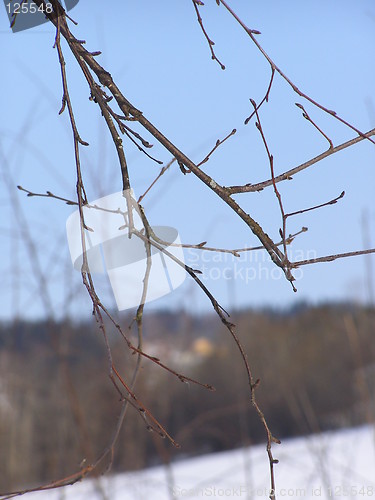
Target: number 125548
<point x="28" y="8"/>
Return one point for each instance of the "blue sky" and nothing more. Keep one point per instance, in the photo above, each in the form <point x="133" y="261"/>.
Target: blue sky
<point x="159" y="58"/>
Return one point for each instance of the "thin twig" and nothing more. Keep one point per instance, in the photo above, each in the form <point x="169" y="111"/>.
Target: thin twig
<point x="287" y="175"/>
<point x="330" y="258"/>
<point x="161" y="173"/>
<point x="265" y="98"/>
<point x="210" y="42"/>
<point x="308" y="118"/>
<point x="331" y="202"/>
<point x="286" y="267"/>
<point x="218" y="143"/>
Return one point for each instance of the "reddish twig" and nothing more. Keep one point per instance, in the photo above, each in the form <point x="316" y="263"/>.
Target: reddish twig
<point x="218" y="143"/>
<point x="308" y="118"/>
<point x="265" y="98"/>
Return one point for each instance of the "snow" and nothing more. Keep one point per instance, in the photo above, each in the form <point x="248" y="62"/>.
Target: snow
<point x="336" y="464"/>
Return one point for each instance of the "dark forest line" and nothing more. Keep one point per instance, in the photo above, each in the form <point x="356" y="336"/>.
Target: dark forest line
<point x="316" y="367"/>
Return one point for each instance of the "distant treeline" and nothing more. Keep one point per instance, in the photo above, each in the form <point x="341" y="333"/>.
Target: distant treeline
<point x="316" y="367"/>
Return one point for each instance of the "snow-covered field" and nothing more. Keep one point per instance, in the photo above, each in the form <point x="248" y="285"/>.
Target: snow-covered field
<point x="338" y="464"/>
